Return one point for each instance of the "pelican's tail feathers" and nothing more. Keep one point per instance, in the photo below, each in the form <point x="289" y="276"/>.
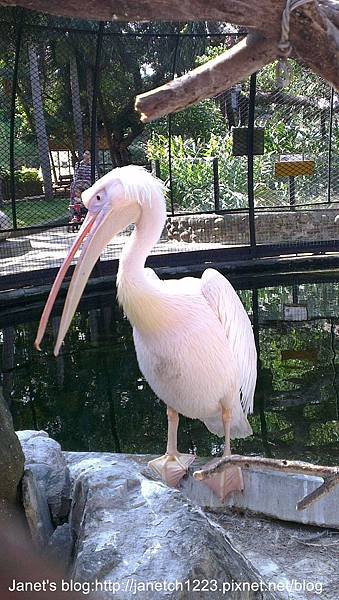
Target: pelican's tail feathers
<point x="240" y="427"/>
<point x="215" y="425"/>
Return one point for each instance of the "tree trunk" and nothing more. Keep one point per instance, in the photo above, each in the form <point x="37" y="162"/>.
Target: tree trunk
<point x="89" y="85"/>
<point x="76" y="105"/>
<point x="108" y="133"/>
<point x="40" y="125"/>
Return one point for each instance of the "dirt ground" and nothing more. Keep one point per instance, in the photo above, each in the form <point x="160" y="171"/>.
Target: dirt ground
<point x="305" y="560"/>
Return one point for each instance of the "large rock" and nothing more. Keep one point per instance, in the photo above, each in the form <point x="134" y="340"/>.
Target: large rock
<point x="44" y="456"/>
<point x="11" y="461"/>
<point x="36" y="509"/>
<point x="60" y="547"/>
<point x="131" y="532"/>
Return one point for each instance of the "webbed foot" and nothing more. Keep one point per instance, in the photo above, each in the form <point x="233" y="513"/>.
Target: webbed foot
<point x="172" y="467"/>
<point x="223" y="482"/>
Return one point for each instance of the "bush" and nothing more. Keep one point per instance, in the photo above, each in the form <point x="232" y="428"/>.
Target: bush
<point x="27" y="183"/>
<point x="192" y="171"/>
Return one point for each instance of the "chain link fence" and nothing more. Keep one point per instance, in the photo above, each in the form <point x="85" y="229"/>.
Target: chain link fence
<point x="67" y="90"/>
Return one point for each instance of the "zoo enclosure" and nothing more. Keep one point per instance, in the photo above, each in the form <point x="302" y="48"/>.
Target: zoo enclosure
<point x="56" y="99"/>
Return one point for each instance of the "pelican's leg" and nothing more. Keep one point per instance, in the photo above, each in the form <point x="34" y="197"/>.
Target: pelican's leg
<point x="230" y="479"/>
<point x="172" y="466"/>
<point x="226" y="419"/>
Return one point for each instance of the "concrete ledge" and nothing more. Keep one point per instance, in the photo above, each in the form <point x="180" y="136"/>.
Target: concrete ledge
<point x="272" y="494"/>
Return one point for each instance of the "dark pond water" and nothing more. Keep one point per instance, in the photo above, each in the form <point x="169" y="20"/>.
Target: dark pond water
<point x="93" y="397"/>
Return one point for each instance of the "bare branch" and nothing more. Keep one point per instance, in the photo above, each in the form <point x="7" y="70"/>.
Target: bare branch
<point x="331" y="10"/>
<point x="249" y="13"/>
<point x="329" y="474"/>
<point x="322" y="490"/>
<point x="208" y="80"/>
<point x="281" y="98"/>
<point x="314" y="34"/>
<point x="287" y="466"/>
<point x="315" y="40"/>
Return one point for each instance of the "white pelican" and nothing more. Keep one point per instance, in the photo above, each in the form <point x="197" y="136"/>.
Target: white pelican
<point x="193" y="338"/>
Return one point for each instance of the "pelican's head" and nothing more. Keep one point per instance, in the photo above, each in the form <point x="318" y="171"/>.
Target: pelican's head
<point x="113" y="202"/>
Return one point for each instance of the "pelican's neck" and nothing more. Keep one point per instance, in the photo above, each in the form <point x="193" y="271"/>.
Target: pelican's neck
<point x="146" y="234"/>
<point x="135" y="290"/>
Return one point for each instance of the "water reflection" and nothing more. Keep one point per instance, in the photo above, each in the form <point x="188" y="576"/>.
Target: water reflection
<point x="92" y="397"/>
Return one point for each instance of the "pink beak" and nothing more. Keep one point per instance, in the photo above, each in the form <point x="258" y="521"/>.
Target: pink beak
<point x="84" y="230"/>
<point x="99" y="227"/>
<point x="101" y="231"/>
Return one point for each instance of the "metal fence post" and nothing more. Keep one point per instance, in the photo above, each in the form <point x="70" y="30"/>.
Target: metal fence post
<point x="329" y="172"/>
<point x="250" y="162"/>
<point x="96" y="80"/>
<point x="291" y="188"/>
<point x="157" y="168"/>
<point x="12" y="115"/>
<point x="216" y="184"/>
<point x="170" y="128"/>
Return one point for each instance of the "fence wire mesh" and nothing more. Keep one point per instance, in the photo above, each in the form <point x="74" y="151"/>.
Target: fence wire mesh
<point x="50" y="84"/>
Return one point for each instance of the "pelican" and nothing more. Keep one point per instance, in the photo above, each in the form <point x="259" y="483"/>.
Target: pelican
<point x="193" y="339"/>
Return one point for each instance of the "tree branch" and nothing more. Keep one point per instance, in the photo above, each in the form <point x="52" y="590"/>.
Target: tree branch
<point x="314" y="34"/>
<point x="331" y="10"/>
<point x="319" y="492"/>
<point x="249" y="13"/>
<point x="281" y="98"/>
<point x="206" y="81"/>
<point x="286" y="466"/>
<point x="315" y="39"/>
<point x="329" y="474"/>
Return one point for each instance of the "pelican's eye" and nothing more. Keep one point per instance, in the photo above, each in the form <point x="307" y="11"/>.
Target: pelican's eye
<point x="98" y="197"/>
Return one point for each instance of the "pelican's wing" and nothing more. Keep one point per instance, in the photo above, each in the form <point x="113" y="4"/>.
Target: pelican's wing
<point x="228" y="307"/>
<point x="185" y="285"/>
<point x="150" y="274"/>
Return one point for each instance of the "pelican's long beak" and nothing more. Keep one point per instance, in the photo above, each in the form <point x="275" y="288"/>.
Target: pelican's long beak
<point x="99" y="229"/>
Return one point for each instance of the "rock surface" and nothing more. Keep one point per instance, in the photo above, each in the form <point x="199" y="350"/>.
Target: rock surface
<point x="36" y="509"/>
<point x="50" y="470"/>
<point x="11" y="463"/>
<point x="131" y="531"/>
<point x="233" y="228"/>
<point x="60" y="547"/>
<point x="132" y="537"/>
<point x="303" y="560"/>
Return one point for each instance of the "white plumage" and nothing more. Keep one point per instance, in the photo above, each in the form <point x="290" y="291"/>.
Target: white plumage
<point x="192" y="336"/>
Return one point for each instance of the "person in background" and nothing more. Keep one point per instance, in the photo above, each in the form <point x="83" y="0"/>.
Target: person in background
<point x="77" y="209"/>
<point x="82" y="180"/>
<point x="82" y="173"/>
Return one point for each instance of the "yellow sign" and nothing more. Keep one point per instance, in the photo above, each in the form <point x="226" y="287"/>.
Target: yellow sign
<point x="293" y="168"/>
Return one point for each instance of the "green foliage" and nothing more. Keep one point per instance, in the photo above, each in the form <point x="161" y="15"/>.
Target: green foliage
<point x="192" y="171"/>
<point x="25" y="147"/>
<point x="197" y="122"/>
<point x="27" y="182"/>
<point x="26" y="175"/>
